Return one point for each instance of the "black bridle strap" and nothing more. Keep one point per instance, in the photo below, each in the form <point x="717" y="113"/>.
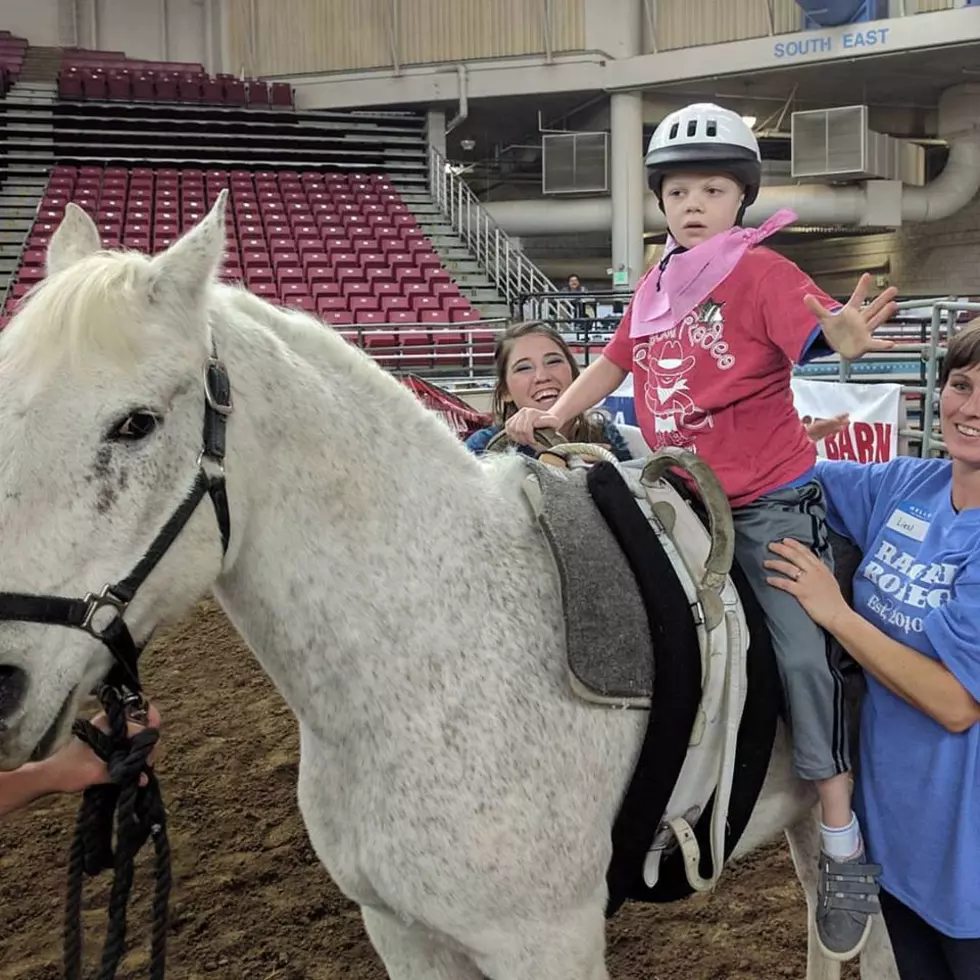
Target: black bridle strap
<point x="50" y="610"/>
<point x="126" y="589"/>
<point x="83" y="613"/>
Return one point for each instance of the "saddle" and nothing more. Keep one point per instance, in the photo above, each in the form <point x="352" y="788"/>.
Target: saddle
<point x="654" y="621"/>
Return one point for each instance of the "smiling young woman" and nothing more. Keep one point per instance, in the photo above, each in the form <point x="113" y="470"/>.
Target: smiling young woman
<point x="534" y="368"/>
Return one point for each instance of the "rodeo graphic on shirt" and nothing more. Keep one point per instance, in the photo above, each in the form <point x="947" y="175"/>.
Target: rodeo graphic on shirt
<point x="907" y="590"/>
<point x="668" y="360"/>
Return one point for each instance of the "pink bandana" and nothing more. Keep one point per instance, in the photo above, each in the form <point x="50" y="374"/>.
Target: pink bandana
<point x="666" y="297"/>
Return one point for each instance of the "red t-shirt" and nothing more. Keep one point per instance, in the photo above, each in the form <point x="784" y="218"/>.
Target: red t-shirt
<point x="719" y="382"/>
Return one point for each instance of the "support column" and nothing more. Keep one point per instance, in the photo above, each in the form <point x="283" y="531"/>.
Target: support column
<point x="435" y="130"/>
<point x="628" y="185"/>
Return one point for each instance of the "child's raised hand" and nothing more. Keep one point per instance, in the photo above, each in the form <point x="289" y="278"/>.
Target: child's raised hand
<point x="850" y="331"/>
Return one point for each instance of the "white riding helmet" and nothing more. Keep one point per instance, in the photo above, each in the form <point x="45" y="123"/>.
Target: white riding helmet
<point x="705" y="135"/>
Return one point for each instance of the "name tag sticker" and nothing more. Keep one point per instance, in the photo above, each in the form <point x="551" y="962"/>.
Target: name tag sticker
<point x="909" y="524"/>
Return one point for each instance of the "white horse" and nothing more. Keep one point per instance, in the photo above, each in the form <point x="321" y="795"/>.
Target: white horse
<point x="392" y="586"/>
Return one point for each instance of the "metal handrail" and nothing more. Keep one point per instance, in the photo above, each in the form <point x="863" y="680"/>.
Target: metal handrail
<point x="511" y="271"/>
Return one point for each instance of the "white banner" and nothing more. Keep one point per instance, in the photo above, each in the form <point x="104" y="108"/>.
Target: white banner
<point x="877" y="412"/>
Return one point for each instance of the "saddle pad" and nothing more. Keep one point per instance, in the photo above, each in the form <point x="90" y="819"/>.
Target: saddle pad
<point x="607" y="632"/>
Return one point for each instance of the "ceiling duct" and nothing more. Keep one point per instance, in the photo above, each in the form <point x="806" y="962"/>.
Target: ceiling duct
<point x="575" y="163"/>
<point x="838" y="144"/>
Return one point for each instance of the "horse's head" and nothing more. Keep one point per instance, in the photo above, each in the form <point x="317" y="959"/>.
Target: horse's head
<point x="105" y="391"/>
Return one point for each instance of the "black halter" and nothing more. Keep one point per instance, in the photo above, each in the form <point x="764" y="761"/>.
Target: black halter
<point x="87" y="614"/>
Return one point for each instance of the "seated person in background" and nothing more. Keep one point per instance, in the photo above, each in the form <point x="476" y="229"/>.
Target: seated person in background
<point x="534" y="366"/>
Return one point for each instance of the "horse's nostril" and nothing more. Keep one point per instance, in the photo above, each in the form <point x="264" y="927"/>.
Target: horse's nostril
<point x="13" y="687"/>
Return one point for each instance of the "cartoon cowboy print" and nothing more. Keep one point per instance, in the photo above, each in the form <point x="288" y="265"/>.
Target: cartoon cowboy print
<point x="676" y="418"/>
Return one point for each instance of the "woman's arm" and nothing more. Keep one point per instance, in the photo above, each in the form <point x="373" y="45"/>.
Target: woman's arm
<point x="73" y="768"/>
<point x="925" y="683"/>
<point x="70" y="770"/>
<point x="23" y="786"/>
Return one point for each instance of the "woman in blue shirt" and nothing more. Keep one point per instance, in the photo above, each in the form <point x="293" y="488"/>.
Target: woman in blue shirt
<point x="915" y="629"/>
<point x="534" y="366"/>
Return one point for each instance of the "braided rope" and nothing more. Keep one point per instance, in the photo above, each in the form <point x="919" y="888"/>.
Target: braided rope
<point x="136" y="813"/>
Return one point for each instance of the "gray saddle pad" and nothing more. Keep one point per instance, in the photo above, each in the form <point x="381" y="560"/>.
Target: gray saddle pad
<point x="607" y="635"/>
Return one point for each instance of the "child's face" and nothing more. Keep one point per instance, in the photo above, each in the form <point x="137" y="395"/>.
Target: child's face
<point x="698" y="206"/>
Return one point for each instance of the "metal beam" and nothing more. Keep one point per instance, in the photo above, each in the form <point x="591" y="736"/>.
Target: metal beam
<point x="650" y="10"/>
<point x="164" y="32"/>
<point x="393" y="32"/>
<point x="546" y="19"/>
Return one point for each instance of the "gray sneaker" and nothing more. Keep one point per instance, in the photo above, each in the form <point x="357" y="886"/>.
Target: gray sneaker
<point x="847" y="897"/>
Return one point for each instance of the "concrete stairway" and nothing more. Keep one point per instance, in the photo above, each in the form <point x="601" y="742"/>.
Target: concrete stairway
<point x="41" y="64"/>
<point x="472" y="278"/>
<point x="24" y="175"/>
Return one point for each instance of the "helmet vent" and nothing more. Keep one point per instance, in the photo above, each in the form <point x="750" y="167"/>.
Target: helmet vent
<point x="692" y="128"/>
<point x="673" y="131"/>
<point x="712" y="128"/>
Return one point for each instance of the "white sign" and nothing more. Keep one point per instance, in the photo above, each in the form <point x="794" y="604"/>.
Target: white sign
<point x="876" y="412"/>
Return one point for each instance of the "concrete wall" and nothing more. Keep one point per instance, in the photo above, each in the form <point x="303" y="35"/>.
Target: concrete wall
<point x="934" y="259"/>
<point x="154" y="30"/>
<point x="289" y="36"/>
<point x="37" y="20"/>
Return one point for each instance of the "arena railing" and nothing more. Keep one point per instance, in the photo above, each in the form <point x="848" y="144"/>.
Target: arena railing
<point x="456" y="354"/>
<point x="935" y="330"/>
<point x="913" y="363"/>
<point x="510" y="269"/>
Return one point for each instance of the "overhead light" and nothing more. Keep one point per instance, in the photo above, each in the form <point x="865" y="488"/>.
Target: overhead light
<point x="749" y="121"/>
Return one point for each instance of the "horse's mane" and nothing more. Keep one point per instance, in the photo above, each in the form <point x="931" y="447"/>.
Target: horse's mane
<point x="96" y="306"/>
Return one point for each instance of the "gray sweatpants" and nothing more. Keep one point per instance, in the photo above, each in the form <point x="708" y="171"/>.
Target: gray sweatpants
<point x="814" y="690"/>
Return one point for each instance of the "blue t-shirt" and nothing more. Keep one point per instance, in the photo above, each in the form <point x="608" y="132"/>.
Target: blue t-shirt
<point x="918" y="788"/>
<point x="479" y="440"/>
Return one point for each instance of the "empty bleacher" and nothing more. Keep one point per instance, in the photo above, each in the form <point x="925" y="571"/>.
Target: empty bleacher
<point x="12" y="52"/>
<point x="342" y="246"/>
<point x="317" y="217"/>
<point x="112" y="76"/>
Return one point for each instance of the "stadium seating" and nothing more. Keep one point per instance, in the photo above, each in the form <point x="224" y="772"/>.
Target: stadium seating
<point x="111" y="76"/>
<point x="12" y="51"/>
<point x="342" y="246"/>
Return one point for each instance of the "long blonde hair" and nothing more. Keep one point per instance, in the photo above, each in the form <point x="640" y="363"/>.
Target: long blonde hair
<point x="587" y="427"/>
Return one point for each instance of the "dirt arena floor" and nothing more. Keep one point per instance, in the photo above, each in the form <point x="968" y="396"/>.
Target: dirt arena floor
<point x="250" y="899"/>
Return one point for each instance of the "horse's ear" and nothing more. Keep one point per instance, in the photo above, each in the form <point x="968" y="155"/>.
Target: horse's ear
<point x="180" y="276"/>
<point x="74" y="239"/>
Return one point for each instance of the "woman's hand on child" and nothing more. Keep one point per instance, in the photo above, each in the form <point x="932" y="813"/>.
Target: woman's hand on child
<point x="521" y="425"/>
<point x="804" y="575"/>
<point x="850" y="331"/>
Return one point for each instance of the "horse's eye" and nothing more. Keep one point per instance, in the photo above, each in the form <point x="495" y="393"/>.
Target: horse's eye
<point x="135" y="427"/>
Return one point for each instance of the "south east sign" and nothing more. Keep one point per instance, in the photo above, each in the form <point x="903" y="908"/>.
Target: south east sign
<point x="851" y="42"/>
